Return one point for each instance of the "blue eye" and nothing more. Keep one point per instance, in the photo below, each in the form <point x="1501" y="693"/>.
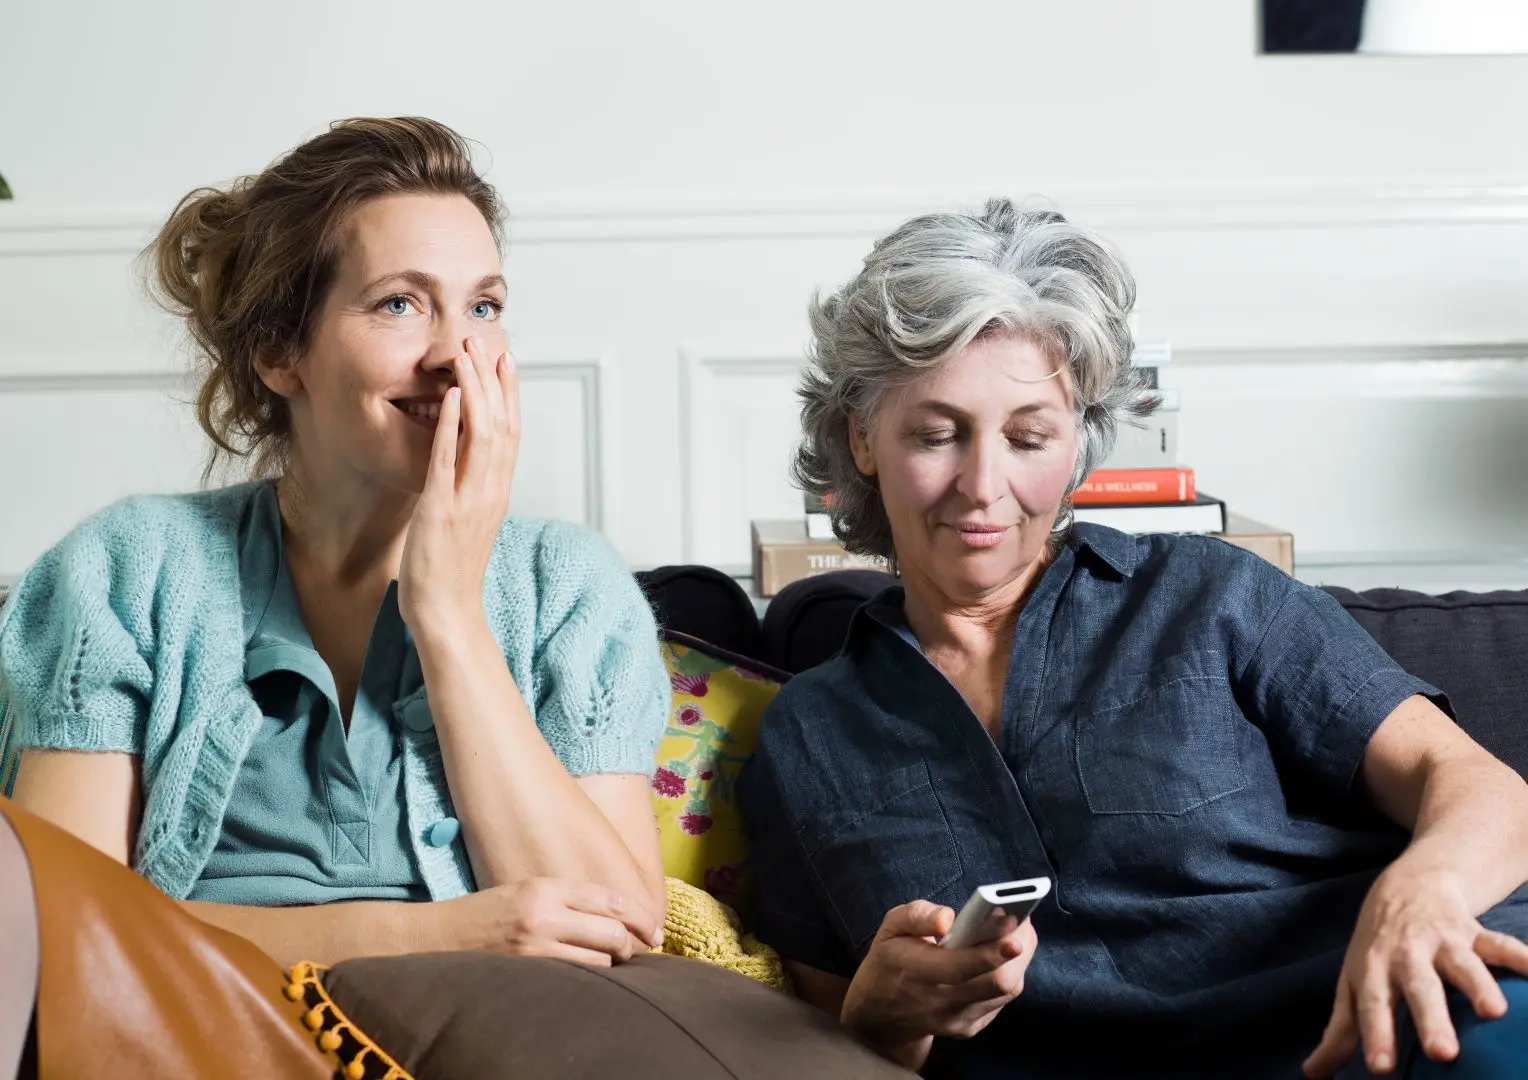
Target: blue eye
<point x="493" y="308"/>
<point x="396" y="305"/>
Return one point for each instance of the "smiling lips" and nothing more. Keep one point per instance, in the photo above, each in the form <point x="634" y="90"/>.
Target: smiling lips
<point x="980" y="536"/>
<point x="424" y="411"/>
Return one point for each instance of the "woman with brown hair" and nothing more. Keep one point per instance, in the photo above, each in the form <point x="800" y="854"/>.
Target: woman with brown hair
<point x="354" y="678"/>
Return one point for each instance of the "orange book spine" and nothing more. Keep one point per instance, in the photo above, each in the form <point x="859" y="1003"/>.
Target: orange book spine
<point x="1118" y="487"/>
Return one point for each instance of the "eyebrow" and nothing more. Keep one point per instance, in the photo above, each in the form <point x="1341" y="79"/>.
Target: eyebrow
<point x="430" y="283"/>
<point x="944" y="408"/>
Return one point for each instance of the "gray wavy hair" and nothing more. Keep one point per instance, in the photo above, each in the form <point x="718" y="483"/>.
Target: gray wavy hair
<point x="929" y="289"/>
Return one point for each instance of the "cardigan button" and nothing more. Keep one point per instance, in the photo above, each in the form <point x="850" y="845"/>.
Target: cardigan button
<point x="417" y="717"/>
<point x="442" y="832"/>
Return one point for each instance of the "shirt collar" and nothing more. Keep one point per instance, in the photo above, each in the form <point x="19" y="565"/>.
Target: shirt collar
<point x="1120" y="551"/>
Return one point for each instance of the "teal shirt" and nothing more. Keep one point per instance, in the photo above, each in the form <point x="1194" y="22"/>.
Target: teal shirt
<point x="317" y="810"/>
<point x="130" y="636"/>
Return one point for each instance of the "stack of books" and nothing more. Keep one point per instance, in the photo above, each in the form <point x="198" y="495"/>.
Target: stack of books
<point x="1142" y="488"/>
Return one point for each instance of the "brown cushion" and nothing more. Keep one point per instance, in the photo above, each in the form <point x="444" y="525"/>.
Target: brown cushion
<point x="480" y="1016"/>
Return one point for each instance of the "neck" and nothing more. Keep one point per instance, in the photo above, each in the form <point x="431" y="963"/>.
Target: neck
<point x="975" y="621"/>
<point x="347" y="532"/>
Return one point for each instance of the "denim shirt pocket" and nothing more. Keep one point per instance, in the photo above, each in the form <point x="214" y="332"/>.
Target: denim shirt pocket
<point x="1170" y="745"/>
<point x="885" y="841"/>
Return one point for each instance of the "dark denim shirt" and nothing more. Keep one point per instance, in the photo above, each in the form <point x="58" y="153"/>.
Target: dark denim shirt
<point x="1182" y="725"/>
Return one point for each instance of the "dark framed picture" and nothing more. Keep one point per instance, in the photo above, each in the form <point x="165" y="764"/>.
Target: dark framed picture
<point x="1394" y="27"/>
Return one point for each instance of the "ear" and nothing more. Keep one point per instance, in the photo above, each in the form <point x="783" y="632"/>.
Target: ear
<point x="280" y="376"/>
<point x="859" y="445"/>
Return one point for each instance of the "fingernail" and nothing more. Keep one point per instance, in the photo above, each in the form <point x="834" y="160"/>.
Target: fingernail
<point x="658" y="936"/>
<point x="1381" y="1063"/>
<point x="466" y="358"/>
<point x="476" y="344"/>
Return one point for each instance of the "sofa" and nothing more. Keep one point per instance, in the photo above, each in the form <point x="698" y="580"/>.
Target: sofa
<point x="725" y="664"/>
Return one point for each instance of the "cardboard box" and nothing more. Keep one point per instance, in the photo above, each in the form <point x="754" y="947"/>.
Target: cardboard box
<point x="782" y="553"/>
<point x="1276" y="546"/>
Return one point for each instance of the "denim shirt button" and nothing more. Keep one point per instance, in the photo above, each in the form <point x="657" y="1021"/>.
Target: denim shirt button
<point x="442" y="832"/>
<point x="417" y="716"/>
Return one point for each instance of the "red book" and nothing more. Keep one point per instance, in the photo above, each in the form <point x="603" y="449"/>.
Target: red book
<point x="1118" y="487"/>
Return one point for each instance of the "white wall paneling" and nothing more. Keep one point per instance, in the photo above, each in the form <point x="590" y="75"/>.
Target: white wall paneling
<point x="566" y="424"/>
<point x="740" y="423"/>
<point x="1391" y="465"/>
<point x="1351" y="362"/>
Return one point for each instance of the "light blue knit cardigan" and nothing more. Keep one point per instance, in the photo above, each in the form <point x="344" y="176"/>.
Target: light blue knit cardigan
<point x="129" y="636"/>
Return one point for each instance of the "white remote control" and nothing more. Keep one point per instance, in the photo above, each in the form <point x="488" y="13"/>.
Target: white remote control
<point x="982" y="917"/>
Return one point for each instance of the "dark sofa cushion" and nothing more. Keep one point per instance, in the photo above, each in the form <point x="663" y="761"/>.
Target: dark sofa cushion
<point x="805" y="623"/>
<point x="1472" y="646"/>
<point x="705" y="603"/>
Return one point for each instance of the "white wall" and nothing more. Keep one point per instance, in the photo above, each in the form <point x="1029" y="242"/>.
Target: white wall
<point x="1336" y="246"/>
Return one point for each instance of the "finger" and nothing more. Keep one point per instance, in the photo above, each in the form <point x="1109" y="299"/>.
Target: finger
<point x="508" y="386"/>
<point x="597" y="933"/>
<point x="486" y="368"/>
<point x="945" y="966"/>
<point x="443" y="449"/>
<point x="1002" y="984"/>
<point x="919" y="919"/>
<point x="1013" y="940"/>
<point x="594" y="899"/>
<point x="476" y="430"/>
<point x="1429" y="1010"/>
<point x="1466" y="970"/>
<point x="1376" y="1019"/>
<point x="1503" y="951"/>
<point x="1340" y="1039"/>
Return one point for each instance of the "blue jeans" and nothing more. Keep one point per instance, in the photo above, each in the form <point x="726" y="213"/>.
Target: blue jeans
<point x="1488" y="1049"/>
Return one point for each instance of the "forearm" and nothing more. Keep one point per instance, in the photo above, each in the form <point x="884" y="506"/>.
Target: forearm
<point x="522" y="814"/>
<point x="325" y="933"/>
<point x="1472" y="824"/>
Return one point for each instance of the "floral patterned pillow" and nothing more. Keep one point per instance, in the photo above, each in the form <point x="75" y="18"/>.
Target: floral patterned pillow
<point x="717" y="702"/>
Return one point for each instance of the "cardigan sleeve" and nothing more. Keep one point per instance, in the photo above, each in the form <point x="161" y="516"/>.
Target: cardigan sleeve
<point x="602" y="689"/>
<point x="72" y="673"/>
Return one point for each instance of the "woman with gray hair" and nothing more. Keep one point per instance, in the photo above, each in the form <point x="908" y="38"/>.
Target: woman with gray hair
<point x="1199" y="752"/>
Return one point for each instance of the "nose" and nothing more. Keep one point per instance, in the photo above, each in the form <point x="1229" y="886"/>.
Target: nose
<point x="448" y="341"/>
<point x="981" y="473"/>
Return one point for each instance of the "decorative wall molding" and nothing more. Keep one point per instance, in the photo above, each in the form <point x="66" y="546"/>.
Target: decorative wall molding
<point x="90" y="381"/>
<point x="41" y="229"/>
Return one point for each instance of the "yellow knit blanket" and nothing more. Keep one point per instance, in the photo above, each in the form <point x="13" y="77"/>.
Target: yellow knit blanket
<point x="701" y="927"/>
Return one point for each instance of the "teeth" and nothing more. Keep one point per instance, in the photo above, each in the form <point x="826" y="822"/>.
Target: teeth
<point x="425" y="409"/>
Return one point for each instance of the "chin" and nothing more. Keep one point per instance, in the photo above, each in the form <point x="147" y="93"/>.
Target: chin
<point x="403" y="474"/>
